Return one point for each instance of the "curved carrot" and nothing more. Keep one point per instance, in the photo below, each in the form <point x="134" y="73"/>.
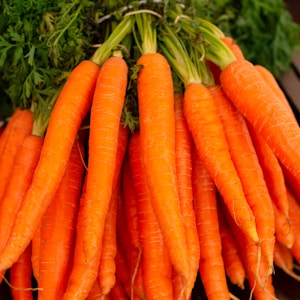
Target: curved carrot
<point x="183" y="144"/>
<point x="208" y="134"/>
<point x="57" y="230"/>
<point x="20" y="277"/>
<point x="106" y="273"/>
<point x="155" y="259"/>
<point x="21" y="126"/>
<point x="65" y="120"/>
<point x="105" y="118"/>
<point x="252" y="97"/>
<point x="212" y="271"/>
<point x="233" y="263"/>
<point x="249" y="171"/>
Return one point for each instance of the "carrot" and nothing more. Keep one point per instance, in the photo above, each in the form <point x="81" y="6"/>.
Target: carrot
<point x="233" y="46"/>
<point x="155" y="259"/>
<point x="106" y="273"/>
<point x="20" y="277"/>
<point x="106" y="111"/>
<point x="157" y="133"/>
<point x="95" y="292"/>
<point x="273" y="84"/>
<point x="283" y="231"/>
<point x="233" y="263"/>
<point x="130" y="218"/>
<point x="272" y="170"/>
<point x="183" y="142"/>
<point x="57" y="230"/>
<point x="21" y="126"/>
<point x="66" y="117"/>
<point x="249" y="171"/>
<point x="268" y="116"/>
<point x="294" y="211"/>
<point x="212" y="271"/>
<point x="208" y="134"/>
<point x="35" y="253"/>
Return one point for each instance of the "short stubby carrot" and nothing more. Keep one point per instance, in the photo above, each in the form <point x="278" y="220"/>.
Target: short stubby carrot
<point x="246" y="162"/>
<point x="70" y="108"/>
<point x="107" y="104"/>
<point x="269" y="116"/>
<point x="210" y="141"/>
<point x="157" y="130"/>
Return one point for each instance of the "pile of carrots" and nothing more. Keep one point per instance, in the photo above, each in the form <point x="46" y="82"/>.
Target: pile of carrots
<point x="143" y="175"/>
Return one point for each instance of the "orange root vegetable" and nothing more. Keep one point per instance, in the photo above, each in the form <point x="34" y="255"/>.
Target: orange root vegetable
<point x="246" y="162"/>
<point x="20" y="277"/>
<point x="57" y="230"/>
<point x="65" y="120"/>
<point x="268" y="115"/>
<point x="212" y="271"/>
<point x="183" y="144"/>
<point x="155" y="261"/>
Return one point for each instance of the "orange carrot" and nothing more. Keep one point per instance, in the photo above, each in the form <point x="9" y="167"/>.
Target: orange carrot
<point x="157" y="130"/>
<point x="208" y="134"/>
<point x="95" y="292"/>
<point x="105" y="118"/>
<point x="57" y="230"/>
<point x="20" y="276"/>
<point x="268" y="116"/>
<point x="66" y="117"/>
<point x="155" y="259"/>
<point x="106" y="273"/>
<point x="183" y="142"/>
<point x="35" y="253"/>
<point x="130" y="221"/>
<point x="249" y="171"/>
<point x="234" y="47"/>
<point x="212" y="271"/>
<point x="272" y="170"/>
<point x="21" y="127"/>
<point x="233" y="263"/>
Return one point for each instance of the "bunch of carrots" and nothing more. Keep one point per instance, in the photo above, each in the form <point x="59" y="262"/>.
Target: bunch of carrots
<point x="164" y="156"/>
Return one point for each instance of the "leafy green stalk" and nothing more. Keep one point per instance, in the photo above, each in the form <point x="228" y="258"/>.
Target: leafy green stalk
<point x="113" y="40"/>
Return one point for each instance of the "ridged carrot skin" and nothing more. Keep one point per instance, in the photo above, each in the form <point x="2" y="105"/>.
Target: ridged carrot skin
<point x="157" y="129"/>
<point x="252" y="97"/>
<point x="246" y="162"/>
<point x="107" y="268"/>
<point x="107" y="104"/>
<point x="212" y="270"/>
<point x="57" y="230"/>
<point x="71" y="107"/>
<point x="20" y="276"/>
<point x="208" y="135"/>
<point x="183" y="146"/>
<point x="155" y="259"/>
